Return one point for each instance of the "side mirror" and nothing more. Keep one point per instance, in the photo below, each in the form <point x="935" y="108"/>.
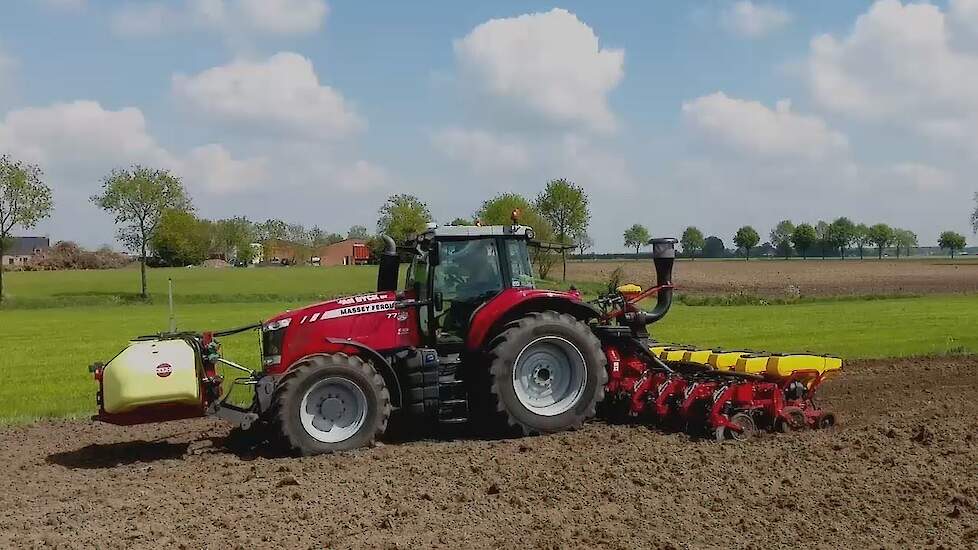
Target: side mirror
<point x="438" y="300"/>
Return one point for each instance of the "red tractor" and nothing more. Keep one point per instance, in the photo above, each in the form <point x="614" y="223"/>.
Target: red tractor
<point x="468" y="337"/>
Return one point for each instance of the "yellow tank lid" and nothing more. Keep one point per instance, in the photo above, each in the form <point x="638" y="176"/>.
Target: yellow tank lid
<point x="629" y="289"/>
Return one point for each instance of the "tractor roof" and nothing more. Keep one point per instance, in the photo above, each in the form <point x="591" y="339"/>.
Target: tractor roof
<point x="478" y="231"/>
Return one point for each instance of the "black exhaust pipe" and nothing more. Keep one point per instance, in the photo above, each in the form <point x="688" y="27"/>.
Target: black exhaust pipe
<point x="390" y="264"/>
<point x="663" y="256"/>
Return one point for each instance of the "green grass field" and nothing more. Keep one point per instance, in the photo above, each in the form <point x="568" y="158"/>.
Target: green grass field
<point x="45" y="348"/>
<point x="190" y="285"/>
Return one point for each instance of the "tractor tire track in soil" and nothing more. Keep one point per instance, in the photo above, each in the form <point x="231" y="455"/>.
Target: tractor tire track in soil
<point x="901" y="471"/>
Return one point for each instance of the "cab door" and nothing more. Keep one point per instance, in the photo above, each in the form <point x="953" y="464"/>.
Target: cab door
<point x="466" y="273"/>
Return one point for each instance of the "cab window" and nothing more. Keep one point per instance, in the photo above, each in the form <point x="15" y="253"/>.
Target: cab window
<point x="467" y="275"/>
<point x="519" y="264"/>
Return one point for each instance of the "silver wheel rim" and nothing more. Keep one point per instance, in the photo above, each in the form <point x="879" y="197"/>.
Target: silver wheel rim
<point x="333" y="410"/>
<point x="549" y="376"/>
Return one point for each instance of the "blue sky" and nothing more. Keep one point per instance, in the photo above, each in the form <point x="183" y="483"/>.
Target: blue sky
<point x="714" y="114"/>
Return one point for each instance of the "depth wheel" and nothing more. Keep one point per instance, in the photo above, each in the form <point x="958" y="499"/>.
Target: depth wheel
<point x="792" y="419"/>
<point x="328" y="403"/>
<point x="547" y="373"/>
<point x="747" y="425"/>
<point x="825" y="421"/>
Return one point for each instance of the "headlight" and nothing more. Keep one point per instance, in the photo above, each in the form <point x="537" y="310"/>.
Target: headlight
<point x="281" y="323"/>
<point x="271" y="342"/>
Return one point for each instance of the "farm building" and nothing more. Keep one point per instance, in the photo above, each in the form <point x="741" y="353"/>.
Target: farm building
<point x="280" y="251"/>
<point x="20" y="250"/>
<point x="345" y="252"/>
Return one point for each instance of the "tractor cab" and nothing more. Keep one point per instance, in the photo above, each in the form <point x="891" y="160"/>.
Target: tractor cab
<point x="455" y="270"/>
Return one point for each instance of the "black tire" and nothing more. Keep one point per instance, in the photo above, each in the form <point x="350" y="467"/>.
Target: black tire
<point x="506" y="348"/>
<point x="284" y="413"/>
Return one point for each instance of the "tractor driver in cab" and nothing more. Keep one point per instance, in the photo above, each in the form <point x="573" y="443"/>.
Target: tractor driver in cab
<point x="469" y="277"/>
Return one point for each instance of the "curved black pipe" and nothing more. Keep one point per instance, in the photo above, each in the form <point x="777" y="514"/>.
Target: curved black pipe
<point x="663" y="256"/>
<point x="390" y="264"/>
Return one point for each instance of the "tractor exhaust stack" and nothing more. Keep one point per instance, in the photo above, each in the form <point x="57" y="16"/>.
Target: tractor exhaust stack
<point x="663" y="256"/>
<point x="389" y="265"/>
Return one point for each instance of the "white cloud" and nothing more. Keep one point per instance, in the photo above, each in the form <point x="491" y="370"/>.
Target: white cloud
<point x="482" y="150"/>
<point x="79" y="133"/>
<point x="232" y="17"/>
<point x="284" y="16"/>
<point x="550" y="64"/>
<point x="900" y="61"/>
<point x="921" y="177"/>
<point x="279" y="95"/>
<point x="745" y="18"/>
<point x="753" y="128"/>
<point x="362" y="176"/>
<point x="212" y="168"/>
<point x="584" y="161"/>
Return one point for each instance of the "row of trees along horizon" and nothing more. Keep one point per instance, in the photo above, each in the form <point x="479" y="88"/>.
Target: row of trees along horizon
<point x="154" y="213"/>
<point x="839" y="238"/>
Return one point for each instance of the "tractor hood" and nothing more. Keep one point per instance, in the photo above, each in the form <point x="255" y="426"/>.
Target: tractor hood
<point x="339" y="307"/>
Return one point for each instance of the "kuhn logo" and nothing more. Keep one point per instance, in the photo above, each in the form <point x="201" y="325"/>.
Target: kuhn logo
<point x="163" y="370"/>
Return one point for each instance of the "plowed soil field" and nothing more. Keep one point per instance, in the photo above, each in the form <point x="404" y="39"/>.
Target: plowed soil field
<point x="780" y="278"/>
<point x="900" y="471"/>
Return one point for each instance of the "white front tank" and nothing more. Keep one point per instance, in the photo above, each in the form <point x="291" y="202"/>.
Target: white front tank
<point x="151" y="372"/>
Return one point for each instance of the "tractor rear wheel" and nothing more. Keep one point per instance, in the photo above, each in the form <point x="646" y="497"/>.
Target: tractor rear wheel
<point x="547" y="373"/>
<point x="330" y="402"/>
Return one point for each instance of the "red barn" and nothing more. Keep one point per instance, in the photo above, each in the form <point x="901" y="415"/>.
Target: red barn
<point x="346" y="252"/>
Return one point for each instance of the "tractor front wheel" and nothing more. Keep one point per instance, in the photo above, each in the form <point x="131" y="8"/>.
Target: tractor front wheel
<point x="328" y="403"/>
<point x="547" y="373"/>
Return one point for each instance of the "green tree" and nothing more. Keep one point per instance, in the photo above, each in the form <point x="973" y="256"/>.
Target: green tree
<point x="565" y="205"/>
<point x="952" y="241"/>
<point x="904" y="239"/>
<point x="403" y="215"/>
<point x="499" y="211"/>
<point x="461" y="221"/>
<point x="746" y="238"/>
<point x="880" y="235"/>
<point x="180" y="238"/>
<point x="823" y="238"/>
<point x="138" y="197"/>
<point x="636" y="236"/>
<point x="692" y="242"/>
<point x="232" y="238"/>
<point x="583" y="243"/>
<point x="358" y="232"/>
<point x="781" y="237"/>
<point x="271" y="229"/>
<point x="974" y="216"/>
<point x="803" y="238"/>
<point x="861" y="238"/>
<point x="713" y="247"/>
<point x="24" y="200"/>
<point x="841" y="233"/>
